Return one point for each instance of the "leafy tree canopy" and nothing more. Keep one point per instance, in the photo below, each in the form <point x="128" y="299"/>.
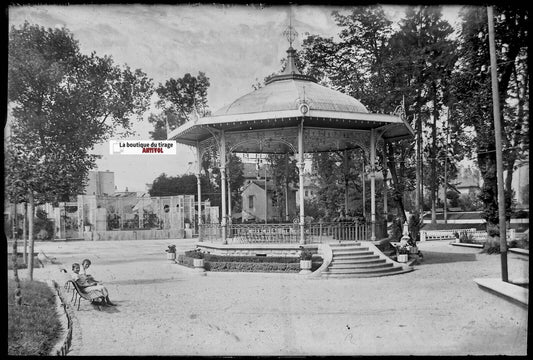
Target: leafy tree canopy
<point x="179" y="99"/>
<point x="63" y="103"/>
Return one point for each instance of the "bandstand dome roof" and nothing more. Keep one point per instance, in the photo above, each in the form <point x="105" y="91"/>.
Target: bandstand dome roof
<point x="284" y="102"/>
<point x="287" y="94"/>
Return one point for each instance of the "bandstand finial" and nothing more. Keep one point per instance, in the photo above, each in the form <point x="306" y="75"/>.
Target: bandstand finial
<point x="290" y="33"/>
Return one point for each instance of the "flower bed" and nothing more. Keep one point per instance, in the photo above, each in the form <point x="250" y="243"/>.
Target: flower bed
<point x="247" y="263"/>
<point x="252" y="266"/>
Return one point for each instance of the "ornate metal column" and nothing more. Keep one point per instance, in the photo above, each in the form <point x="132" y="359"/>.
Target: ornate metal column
<point x="223" y="183"/>
<point x="229" y="202"/>
<point x="373" y="184"/>
<point x="199" y="187"/>
<point x="345" y="159"/>
<point x="287" y="187"/>
<point x="363" y="183"/>
<point x="385" y="187"/>
<point x="301" y="166"/>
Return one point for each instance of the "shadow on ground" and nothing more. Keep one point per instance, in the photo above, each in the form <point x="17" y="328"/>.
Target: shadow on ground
<point x="142" y="281"/>
<point x="431" y="257"/>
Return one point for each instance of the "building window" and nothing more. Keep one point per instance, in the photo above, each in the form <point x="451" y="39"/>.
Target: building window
<point x="250" y="202"/>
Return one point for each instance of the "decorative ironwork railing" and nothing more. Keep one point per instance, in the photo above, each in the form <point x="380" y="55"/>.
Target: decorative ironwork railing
<point x="209" y="232"/>
<point x="289" y="233"/>
<point x="324" y="232"/>
<point x="264" y="233"/>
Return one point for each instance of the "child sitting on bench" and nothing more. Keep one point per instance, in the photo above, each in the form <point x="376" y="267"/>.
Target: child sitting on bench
<point x="89" y="285"/>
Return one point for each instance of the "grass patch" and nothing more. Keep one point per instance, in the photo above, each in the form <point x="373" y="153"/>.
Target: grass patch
<point x="520" y="243"/>
<point x="33" y="327"/>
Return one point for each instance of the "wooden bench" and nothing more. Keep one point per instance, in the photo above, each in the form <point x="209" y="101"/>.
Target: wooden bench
<point x="79" y="294"/>
<point x="66" y="280"/>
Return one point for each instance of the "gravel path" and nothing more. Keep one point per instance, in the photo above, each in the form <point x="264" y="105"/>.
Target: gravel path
<point x="167" y="309"/>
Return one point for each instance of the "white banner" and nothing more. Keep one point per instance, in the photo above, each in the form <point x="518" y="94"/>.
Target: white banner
<point x="142" y="147"/>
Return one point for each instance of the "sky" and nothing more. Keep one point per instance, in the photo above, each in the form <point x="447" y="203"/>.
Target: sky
<point x="234" y="45"/>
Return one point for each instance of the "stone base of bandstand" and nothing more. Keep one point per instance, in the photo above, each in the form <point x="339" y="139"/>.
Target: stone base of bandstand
<point x="217" y="248"/>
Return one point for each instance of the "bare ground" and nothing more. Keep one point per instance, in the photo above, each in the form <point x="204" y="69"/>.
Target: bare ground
<point x="167" y="309"/>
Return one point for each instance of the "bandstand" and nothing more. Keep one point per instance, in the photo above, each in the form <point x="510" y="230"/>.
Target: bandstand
<point x="292" y="114"/>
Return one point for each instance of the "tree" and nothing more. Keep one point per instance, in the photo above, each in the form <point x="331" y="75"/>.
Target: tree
<point x="63" y="103"/>
<point x="472" y="90"/>
<point x="235" y="179"/>
<point x="186" y="184"/>
<point x="178" y="99"/>
<point x="363" y="65"/>
<point x="165" y="185"/>
<point x="425" y="58"/>
<point x="283" y="172"/>
<point x="328" y="173"/>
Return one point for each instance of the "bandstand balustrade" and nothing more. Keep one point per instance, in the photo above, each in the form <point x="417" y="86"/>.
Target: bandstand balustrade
<point x="289" y="233"/>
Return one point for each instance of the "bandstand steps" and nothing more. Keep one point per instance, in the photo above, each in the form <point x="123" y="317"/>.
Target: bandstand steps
<point x="357" y="265"/>
<point x="353" y="254"/>
<point x="352" y="260"/>
<point x="349" y="250"/>
<point x="377" y="269"/>
<point x="393" y="271"/>
<point x="370" y="260"/>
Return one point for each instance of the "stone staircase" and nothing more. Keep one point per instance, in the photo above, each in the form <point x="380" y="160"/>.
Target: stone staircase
<point x="357" y="259"/>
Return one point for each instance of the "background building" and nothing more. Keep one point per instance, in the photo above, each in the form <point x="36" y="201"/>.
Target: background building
<point x="101" y="183"/>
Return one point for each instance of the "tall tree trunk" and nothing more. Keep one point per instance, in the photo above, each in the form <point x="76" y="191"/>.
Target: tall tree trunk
<point x="509" y="165"/>
<point x="392" y="168"/>
<point x="511" y="159"/>
<point x="31" y="206"/>
<point x="434" y="178"/>
<point x="18" y="295"/>
<point x="418" y="200"/>
<point x="25" y="233"/>
<point x="487" y="167"/>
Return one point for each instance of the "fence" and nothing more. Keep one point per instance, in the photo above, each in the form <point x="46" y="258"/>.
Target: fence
<point x="289" y="233"/>
<point x="108" y="213"/>
<point x="475" y="235"/>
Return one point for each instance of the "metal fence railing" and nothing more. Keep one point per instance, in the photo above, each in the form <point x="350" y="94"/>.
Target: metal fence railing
<point x="289" y="233"/>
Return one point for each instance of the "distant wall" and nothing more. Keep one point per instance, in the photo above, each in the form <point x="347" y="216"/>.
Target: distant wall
<point x="134" y="235"/>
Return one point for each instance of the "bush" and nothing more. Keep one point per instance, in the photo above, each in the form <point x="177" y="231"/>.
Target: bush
<point x="521" y="214"/>
<point x="242" y="258"/>
<point x="491" y="248"/>
<point x="396" y="230"/>
<point x="385" y="247"/>
<point x="195" y="254"/>
<point x="184" y="260"/>
<point x="306" y="254"/>
<point x="493" y="232"/>
<point x="252" y="267"/>
<point x="466" y="238"/>
<point x="247" y="263"/>
<point x="402" y="250"/>
<point x="414" y="226"/>
<point x="43" y="228"/>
